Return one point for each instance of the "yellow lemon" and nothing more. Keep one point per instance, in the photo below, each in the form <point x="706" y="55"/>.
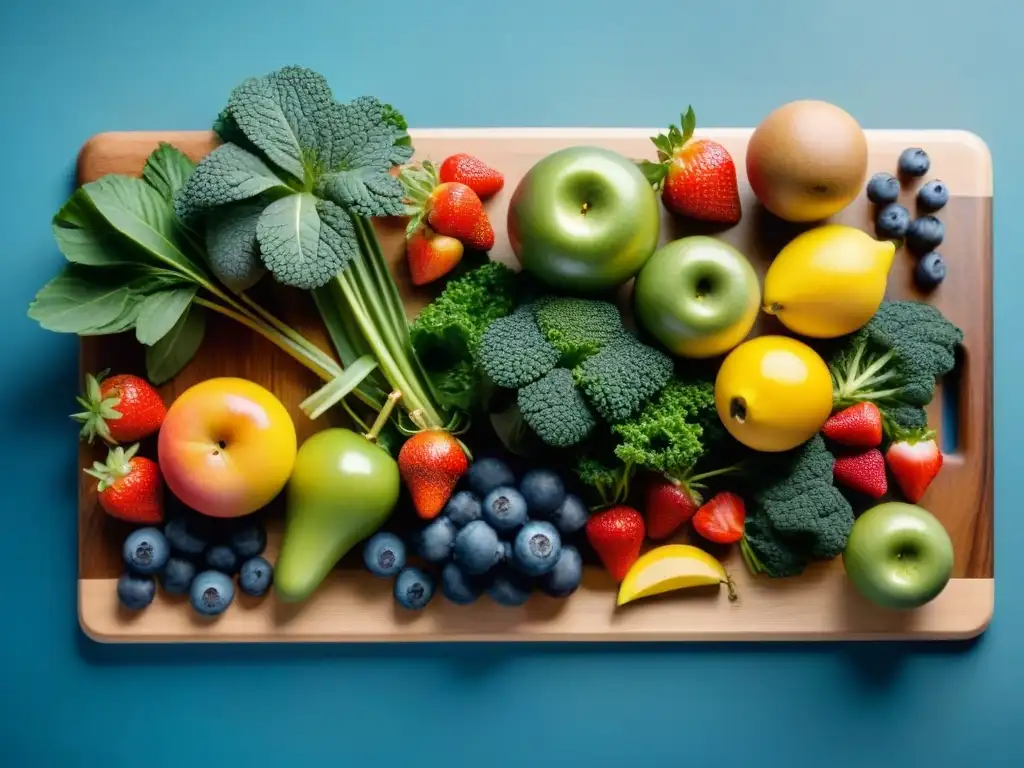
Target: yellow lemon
<point x="773" y="393"/>
<point x="670" y="567"/>
<point x="828" y="281"/>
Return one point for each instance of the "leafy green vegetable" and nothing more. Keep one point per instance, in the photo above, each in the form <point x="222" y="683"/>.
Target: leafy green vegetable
<point x="159" y="312"/>
<point x="894" y="361"/>
<point x="231" y="246"/>
<point x="172" y="351"/>
<point x="167" y="170"/>
<point x="795" y="514"/>
<point x="610" y="373"/>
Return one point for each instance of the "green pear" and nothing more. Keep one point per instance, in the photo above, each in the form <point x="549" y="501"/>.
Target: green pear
<point x="342" y="489"/>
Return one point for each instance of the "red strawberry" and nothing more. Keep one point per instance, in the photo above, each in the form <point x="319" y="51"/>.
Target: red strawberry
<point x="450" y="208"/>
<point x="864" y="472"/>
<point x="859" y="426"/>
<point x="914" y="461"/>
<point x="668" y="505"/>
<point x="121" y="409"/>
<point x="431" y="256"/>
<point x="431" y="463"/>
<point x="130" y="487"/>
<point x="697" y="177"/>
<point x="616" y="534"/>
<point x="482" y="238"/>
<point x="721" y="519"/>
<point x="474" y="173"/>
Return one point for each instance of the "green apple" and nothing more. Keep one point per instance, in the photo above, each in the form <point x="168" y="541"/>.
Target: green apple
<point x="898" y="555"/>
<point x="584" y="219"/>
<point x="698" y="296"/>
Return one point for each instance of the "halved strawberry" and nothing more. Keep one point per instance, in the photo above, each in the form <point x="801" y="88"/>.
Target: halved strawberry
<point x="914" y="461"/>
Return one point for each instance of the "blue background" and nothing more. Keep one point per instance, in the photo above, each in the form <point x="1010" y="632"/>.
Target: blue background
<point x="70" y="69"/>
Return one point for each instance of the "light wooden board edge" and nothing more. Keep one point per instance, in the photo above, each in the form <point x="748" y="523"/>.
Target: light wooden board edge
<point x="355" y="607"/>
<point x="964" y="156"/>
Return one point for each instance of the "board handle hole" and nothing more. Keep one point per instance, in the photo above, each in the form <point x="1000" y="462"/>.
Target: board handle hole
<point x="952" y="400"/>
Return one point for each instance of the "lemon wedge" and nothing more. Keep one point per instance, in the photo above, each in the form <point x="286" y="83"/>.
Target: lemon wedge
<point x="671" y="567"/>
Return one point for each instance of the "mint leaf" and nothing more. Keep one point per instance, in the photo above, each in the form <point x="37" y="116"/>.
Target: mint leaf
<point x="228" y="174"/>
<point x="74" y="302"/>
<point x="171" y="353"/>
<point x="231" y="248"/>
<point x="304" y="241"/>
<point x="159" y="312"/>
<point x="167" y="170"/>
<point x="365" y="192"/>
<point x="288" y="115"/>
<point x="140" y="213"/>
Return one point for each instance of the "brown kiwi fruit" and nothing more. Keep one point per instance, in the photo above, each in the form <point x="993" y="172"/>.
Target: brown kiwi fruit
<point x="807" y="160"/>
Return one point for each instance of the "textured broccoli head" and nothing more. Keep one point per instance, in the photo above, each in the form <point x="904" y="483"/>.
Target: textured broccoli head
<point x="578" y="328"/>
<point x="554" y="408"/>
<point x="668" y="434"/>
<point x="797" y="508"/>
<point x="577" y="348"/>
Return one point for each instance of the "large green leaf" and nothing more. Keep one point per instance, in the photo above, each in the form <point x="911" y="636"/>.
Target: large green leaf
<point x="85" y="237"/>
<point x="173" y="351"/>
<point x="370" y="134"/>
<point x="140" y="213"/>
<point x="288" y="115"/>
<point x="228" y="174"/>
<point x="159" y="313"/>
<point x="75" y="302"/>
<point x="304" y="241"/>
<point x="365" y="191"/>
<point x="231" y="248"/>
<point x="167" y="170"/>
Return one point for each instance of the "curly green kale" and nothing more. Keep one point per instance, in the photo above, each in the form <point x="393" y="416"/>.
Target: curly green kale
<point x="795" y="514"/>
<point x="895" y="360"/>
<point x="596" y="365"/>
<point x="311" y="163"/>
<point x="447" y="332"/>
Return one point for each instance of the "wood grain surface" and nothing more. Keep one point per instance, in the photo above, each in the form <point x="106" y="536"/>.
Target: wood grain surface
<point x="819" y="605"/>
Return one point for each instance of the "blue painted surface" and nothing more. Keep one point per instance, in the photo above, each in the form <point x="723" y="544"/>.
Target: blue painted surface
<point x="71" y="69"/>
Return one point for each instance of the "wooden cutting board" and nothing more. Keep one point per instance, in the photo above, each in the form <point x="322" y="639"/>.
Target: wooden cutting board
<point x="819" y="605"/>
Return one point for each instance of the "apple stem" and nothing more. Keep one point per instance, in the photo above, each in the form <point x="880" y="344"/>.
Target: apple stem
<point x="383" y="416"/>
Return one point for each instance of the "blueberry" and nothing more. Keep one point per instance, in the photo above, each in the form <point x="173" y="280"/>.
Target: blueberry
<point x="177" y="575"/>
<point x="413" y="588"/>
<point x="222" y="558"/>
<point x="892" y="221"/>
<point x="146" y="550"/>
<point x="565" y="577"/>
<point x="134" y="591"/>
<point x="211" y="592"/>
<point x="925" y="234"/>
<point x="537" y="547"/>
<point x="570" y="516"/>
<point x="509" y="588"/>
<point x="458" y="587"/>
<point x="185" y="536"/>
<point x="248" y="540"/>
<point x="487" y="474"/>
<point x="883" y="188"/>
<point x="504" y="509"/>
<point x="932" y="196"/>
<point x="255" y="576"/>
<point x="462" y="508"/>
<point x="930" y="271"/>
<point x="384" y="554"/>
<point x="544" y="491"/>
<point x="914" y="162"/>
<point x="435" y="543"/>
<point x="477" y="548"/>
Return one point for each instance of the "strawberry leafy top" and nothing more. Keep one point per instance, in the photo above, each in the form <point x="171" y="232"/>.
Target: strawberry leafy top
<point x="668" y="145"/>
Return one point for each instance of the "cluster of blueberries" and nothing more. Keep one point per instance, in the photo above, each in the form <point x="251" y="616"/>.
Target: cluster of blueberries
<point x="893" y="221"/>
<point x="497" y="536"/>
<point x="184" y="561"/>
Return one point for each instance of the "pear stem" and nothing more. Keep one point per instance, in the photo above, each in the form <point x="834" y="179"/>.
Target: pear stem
<point x="383" y="416"/>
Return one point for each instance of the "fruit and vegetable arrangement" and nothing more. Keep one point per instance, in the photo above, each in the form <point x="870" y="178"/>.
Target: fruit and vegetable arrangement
<point x="525" y="422"/>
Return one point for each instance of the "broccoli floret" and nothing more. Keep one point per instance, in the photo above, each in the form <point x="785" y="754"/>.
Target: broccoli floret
<point x="797" y="514"/>
<point x="513" y="353"/>
<point x="895" y="359"/>
<point x="609" y="370"/>
<point x="578" y="328"/>
<point x="668" y="434"/>
<point x="555" y="409"/>
<point x="447" y="332"/>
